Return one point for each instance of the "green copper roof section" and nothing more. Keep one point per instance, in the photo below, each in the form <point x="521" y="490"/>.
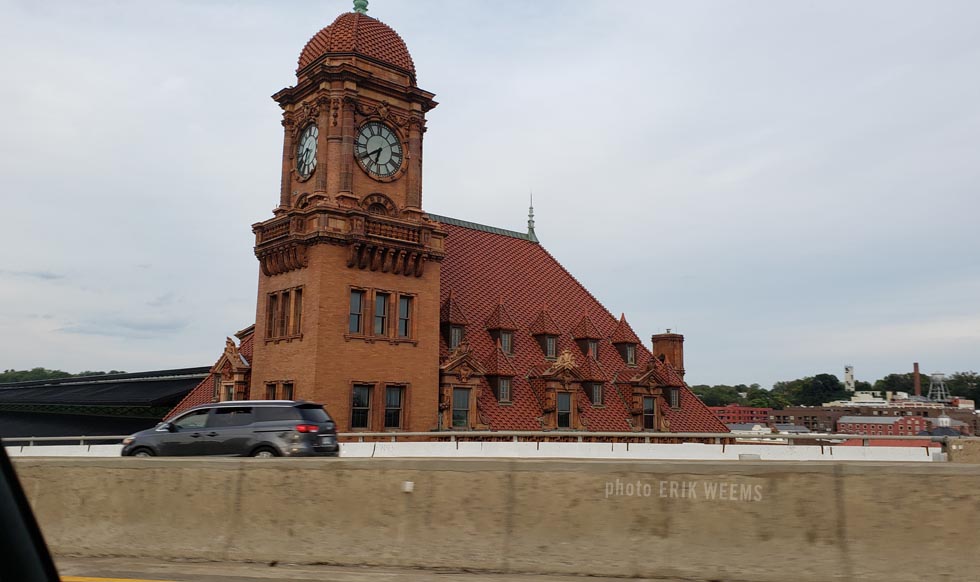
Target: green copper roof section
<point x="360" y="6"/>
<point x="482" y="227"/>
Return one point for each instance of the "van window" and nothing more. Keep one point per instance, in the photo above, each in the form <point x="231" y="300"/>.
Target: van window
<point x="274" y="413"/>
<point x="194" y="419"/>
<point x="313" y="413"/>
<point x="230" y="416"/>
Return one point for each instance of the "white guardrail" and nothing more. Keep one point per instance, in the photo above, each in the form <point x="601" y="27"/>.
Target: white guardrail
<point x="565" y="444"/>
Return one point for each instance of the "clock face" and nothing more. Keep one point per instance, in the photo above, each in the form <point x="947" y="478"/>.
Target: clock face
<point x="378" y="150"/>
<point x="306" y="151"/>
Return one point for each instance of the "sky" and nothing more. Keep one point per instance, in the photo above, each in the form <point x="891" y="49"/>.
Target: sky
<point x="791" y="185"/>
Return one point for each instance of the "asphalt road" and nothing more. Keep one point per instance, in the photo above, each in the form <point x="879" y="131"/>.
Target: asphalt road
<point x="143" y="570"/>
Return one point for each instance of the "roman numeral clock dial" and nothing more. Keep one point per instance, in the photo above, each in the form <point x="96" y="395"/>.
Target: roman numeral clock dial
<point x="378" y="150"/>
<point x="306" y="152"/>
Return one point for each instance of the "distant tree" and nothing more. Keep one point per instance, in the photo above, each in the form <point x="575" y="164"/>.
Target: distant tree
<point x="719" y="395"/>
<point x="43" y="374"/>
<point x="762" y="398"/>
<point x="822" y="388"/>
<point x="900" y="383"/>
<point x="965" y="384"/>
<point x="810" y="391"/>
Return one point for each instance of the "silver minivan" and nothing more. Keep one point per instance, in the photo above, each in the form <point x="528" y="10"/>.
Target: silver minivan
<point x="246" y="428"/>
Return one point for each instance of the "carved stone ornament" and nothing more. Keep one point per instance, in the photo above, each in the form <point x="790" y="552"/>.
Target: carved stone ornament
<point x="334" y="110"/>
<point x="310" y="111"/>
<point x="464" y="373"/>
<point x="389" y="206"/>
<point x="564" y="362"/>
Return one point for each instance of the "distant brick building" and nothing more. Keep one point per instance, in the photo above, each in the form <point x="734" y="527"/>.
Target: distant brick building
<point x="824" y="418"/>
<point x="882" y="425"/>
<point x="738" y="414"/>
<point x="397" y="319"/>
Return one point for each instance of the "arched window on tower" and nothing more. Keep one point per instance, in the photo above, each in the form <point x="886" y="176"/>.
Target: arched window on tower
<point x="378" y="208"/>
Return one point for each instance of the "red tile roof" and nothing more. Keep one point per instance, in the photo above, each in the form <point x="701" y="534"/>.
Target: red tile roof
<point x="497" y="363"/>
<point x="500" y="319"/>
<point x="623" y="334"/>
<point x="591" y="370"/>
<point x="451" y="312"/>
<point x="485" y="266"/>
<point x="585" y="329"/>
<point x="543" y="324"/>
<point x="354" y="33"/>
<point x="203" y="393"/>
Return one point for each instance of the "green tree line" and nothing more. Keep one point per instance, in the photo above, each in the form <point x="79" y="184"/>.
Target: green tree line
<point x="46" y="374"/>
<point x="821" y="388"/>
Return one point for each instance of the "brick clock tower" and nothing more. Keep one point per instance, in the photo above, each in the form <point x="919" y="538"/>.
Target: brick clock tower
<point x="348" y="295"/>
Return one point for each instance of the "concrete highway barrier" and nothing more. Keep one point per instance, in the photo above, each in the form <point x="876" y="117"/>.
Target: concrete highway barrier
<point x="697" y="520"/>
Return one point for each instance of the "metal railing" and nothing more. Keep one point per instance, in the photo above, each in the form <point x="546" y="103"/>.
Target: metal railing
<point x="68" y="440"/>
<point x="539" y="436"/>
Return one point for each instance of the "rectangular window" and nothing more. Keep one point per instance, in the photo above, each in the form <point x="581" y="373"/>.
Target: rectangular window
<point x="564" y="409"/>
<point x="271" y="312"/>
<point x="356" y="311"/>
<point x="297" y="311"/>
<point x="381" y="314"/>
<point x="229" y="391"/>
<point x="631" y="354"/>
<point x="503" y="389"/>
<point x="649" y="413"/>
<point x="507" y="342"/>
<point x="594" y="348"/>
<point x="287" y="390"/>
<point x="393" y="406"/>
<point x="283" y="327"/>
<point x="455" y="336"/>
<point x="550" y="346"/>
<point x="461" y="407"/>
<point x="404" y="316"/>
<point x="595" y="393"/>
<point x="361" y="406"/>
<point x="675" y="397"/>
<point x="270" y="391"/>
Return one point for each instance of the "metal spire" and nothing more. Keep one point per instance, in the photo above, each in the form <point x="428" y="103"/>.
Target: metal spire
<point x="530" y="221"/>
<point x="360" y="6"/>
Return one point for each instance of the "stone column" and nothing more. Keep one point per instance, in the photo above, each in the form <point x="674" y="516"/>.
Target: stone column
<point x="289" y="125"/>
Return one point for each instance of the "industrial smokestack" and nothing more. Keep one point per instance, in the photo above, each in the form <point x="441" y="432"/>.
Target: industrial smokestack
<point x="916" y="381"/>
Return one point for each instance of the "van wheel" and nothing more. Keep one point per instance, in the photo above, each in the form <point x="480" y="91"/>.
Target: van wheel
<point x="143" y="453"/>
<point x="264" y="453"/>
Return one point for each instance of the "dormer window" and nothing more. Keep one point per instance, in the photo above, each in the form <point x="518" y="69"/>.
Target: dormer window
<point x="675" y="397"/>
<point x="505" y="339"/>
<point x="455" y="336"/>
<point x="649" y="413"/>
<point x="507" y="342"/>
<point x="594" y="391"/>
<point x="563" y="409"/>
<point x="550" y="346"/>
<point x="630" y="354"/>
<point x="503" y="389"/>
<point x="594" y="348"/>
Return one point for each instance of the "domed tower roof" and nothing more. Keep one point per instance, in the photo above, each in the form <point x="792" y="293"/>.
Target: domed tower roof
<point x="358" y="33"/>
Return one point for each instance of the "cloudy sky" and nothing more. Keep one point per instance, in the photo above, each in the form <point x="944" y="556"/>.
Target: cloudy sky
<point x="792" y="185"/>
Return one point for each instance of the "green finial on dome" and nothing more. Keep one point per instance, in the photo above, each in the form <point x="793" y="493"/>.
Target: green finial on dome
<point x="360" y="6"/>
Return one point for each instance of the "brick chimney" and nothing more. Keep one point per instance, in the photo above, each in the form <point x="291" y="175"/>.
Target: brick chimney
<point x="916" y="381"/>
<point x="671" y="347"/>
